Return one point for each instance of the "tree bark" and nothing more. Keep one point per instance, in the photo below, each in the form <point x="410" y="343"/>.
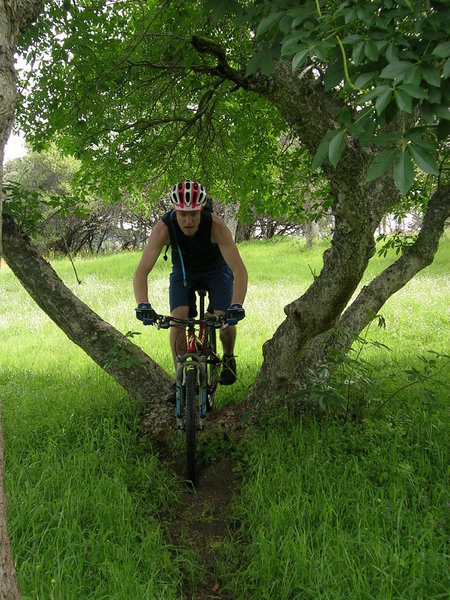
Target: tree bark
<point x="358" y="207"/>
<point x="289" y="341"/>
<point x="136" y="372"/>
<point x="9" y="589"/>
<point x="15" y="16"/>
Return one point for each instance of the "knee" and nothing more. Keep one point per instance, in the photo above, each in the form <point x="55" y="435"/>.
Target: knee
<point x="180" y="312"/>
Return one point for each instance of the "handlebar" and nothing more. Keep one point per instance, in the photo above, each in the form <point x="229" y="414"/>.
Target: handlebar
<point x="166" y="321"/>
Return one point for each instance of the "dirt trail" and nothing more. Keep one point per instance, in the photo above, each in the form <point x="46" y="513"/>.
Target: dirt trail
<point x="203" y="524"/>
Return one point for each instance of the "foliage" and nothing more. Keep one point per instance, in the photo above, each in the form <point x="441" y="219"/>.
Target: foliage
<point x="142" y="110"/>
<point x="388" y="61"/>
<point x="42" y="196"/>
<point x="38" y="192"/>
<point x="348" y="385"/>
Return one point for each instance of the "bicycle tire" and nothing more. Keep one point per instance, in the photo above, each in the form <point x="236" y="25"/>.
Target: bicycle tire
<point x="211" y="367"/>
<point x="191" y="424"/>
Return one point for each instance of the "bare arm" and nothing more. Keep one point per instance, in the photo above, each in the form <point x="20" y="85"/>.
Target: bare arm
<point x="157" y="240"/>
<point x="221" y="235"/>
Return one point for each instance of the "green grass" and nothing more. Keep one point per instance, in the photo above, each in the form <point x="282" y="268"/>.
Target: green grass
<point x="328" y="510"/>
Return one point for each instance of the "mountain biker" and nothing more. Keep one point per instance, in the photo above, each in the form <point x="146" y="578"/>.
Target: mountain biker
<point x="203" y="255"/>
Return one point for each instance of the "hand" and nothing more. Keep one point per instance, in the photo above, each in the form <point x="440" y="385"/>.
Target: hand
<point x="234" y="314"/>
<point x="145" y="313"/>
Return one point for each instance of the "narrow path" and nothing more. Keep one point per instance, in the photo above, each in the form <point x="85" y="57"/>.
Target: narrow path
<point x="203" y="520"/>
<point x="203" y="524"/>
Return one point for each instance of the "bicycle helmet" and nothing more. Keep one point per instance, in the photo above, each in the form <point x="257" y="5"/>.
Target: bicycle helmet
<point x="188" y="196"/>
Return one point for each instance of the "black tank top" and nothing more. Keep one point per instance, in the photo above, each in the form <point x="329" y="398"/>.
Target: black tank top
<point x="199" y="253"/>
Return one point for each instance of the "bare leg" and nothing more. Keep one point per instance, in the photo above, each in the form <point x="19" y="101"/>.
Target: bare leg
<point x="178" y="334"/>
<point x="227" y="336"/>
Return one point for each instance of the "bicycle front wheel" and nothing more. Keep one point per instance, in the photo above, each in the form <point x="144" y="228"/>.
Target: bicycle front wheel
<point x="191" y="424"/>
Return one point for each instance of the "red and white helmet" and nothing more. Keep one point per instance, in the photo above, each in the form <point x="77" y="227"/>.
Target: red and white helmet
<point x="188" y="196"/>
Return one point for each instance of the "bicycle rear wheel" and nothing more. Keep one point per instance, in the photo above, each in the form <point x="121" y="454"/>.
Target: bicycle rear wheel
<point x="191" y="424"/>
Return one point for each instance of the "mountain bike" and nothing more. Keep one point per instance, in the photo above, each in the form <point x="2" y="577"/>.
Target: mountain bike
<point x="197" y="375"/>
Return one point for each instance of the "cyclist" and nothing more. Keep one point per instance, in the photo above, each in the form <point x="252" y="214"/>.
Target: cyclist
<point x="203" y="255"/>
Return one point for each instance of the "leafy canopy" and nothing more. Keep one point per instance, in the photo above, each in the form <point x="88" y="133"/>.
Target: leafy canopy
<point x="120" y="86"/>
<point x="389" y="61"/>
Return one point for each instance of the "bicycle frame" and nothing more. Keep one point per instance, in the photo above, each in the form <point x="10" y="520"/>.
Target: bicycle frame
<point x="194" y="358"/>
<point x="194" y="382"/>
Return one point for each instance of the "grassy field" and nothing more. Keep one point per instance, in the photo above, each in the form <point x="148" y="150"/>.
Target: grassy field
<point x="327" y="509"/>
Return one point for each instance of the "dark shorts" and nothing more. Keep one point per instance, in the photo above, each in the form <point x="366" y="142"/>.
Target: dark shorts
<point x="218" y="283"/>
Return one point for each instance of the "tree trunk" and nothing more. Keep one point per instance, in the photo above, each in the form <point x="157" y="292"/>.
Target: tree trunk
<point x="289" y="343"/>
<point x="9" y="589"/>
<point x="311" y="232"/>
<point x="136" y="372"/>
<point x="230" y="217"/>
<point x="15" y="16"/>
<point x="357" y="209"/>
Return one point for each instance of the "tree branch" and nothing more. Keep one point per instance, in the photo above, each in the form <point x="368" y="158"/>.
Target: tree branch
<point x="136" y="372"/>
<point x="418" y="256"/>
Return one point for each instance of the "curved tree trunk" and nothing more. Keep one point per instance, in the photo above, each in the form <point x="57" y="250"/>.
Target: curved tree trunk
<point x="136" y="372"/>
<point x="289" y="341"/>
<point x="358" y="207"/>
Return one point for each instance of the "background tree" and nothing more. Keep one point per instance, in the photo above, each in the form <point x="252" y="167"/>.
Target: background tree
<point x="363" y="87"/>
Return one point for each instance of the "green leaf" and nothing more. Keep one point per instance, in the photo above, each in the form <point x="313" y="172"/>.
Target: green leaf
<point x="443" y="130"/>
<point x="333" y="75"/>
<point x="386" y="139"/>
<point x="299" y="58"/>
<point x="363" y="79"/>
<point x="322" y="150"/>
<point x="413" y="75"/>
<point x="442" y="50"/>
<point x="431" y="75"/>
<point x="300" y="15"/>
<point x="415" y="134"/>
<point x="403" y="100"/>
<point x="253" y="64"/>
<point x="381" y="164"/>
<point x="337" y="145"/>
<point x="395" y="69"/>
<point x="423" y="159"/>
<point x="218" y="9"/>
<point x="285" y="24"/>
<point x="442" y="111"/>
<point x="427" y="112"/>
<point x="268" y="22"/>
<point x="352" y="39"/>
<point x="371" y="50"/>
<point x="413" y="90"/>
<point x="383" y="100"/>
<point x="373" y="93"/>
<point x="447" y="68"/>
<point x="291" y="45"/>
<point x="358" y="53"/>
<point x="266" y="63"/>
<point x="404" y="172"/>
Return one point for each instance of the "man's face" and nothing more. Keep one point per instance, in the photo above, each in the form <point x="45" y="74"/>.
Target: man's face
<point x="189" y="222"/>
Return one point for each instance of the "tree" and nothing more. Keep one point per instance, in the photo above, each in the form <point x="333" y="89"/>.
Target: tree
<point x="14" y="18"/>
<point x="151" y="100"/>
